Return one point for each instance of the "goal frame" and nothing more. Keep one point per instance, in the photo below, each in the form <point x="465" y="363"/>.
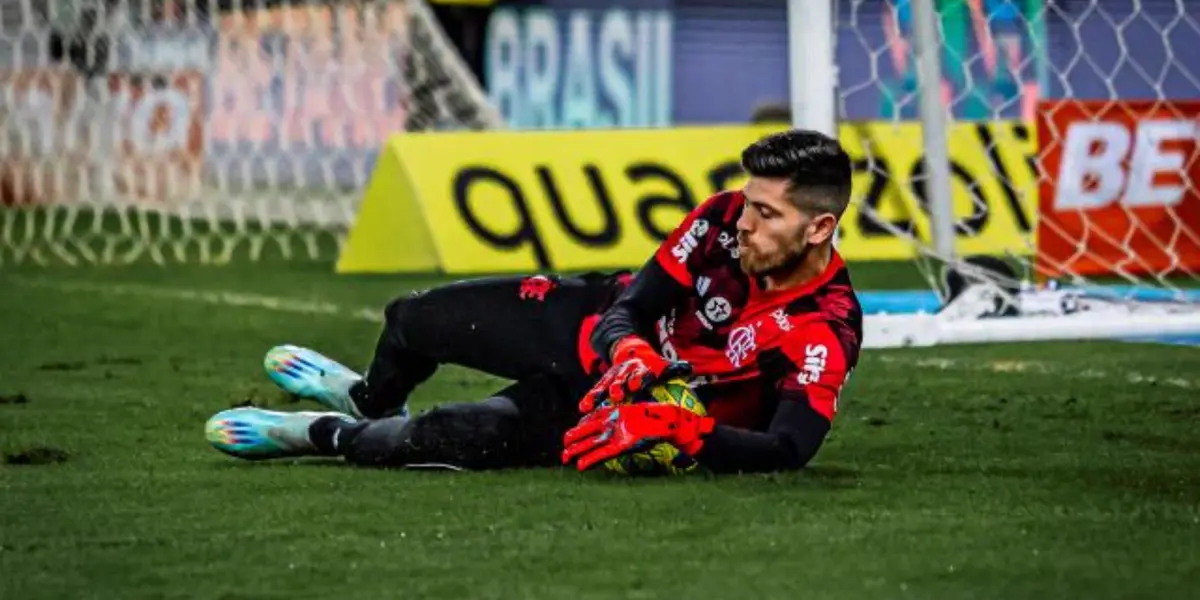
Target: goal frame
<point x="971" y="316"/>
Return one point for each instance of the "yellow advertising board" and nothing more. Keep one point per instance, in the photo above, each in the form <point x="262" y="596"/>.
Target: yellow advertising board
<point x="495" y="202"/>
<point x="993" y="187"/>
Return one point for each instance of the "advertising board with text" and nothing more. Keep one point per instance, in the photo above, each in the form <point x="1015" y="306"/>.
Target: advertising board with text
<point x="1120" y="194"/>
<point x="607" y="66"/>
<point x="555" y="201"/>
<point x="133" y="138"/>
<point x="542" y="201"/>
<point x="276" y="97"/>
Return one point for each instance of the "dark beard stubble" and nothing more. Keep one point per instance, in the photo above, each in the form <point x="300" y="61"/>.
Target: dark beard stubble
<point x="757" y="266"/>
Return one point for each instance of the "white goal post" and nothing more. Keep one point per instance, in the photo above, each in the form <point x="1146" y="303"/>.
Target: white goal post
<point x="1113" y="249"/>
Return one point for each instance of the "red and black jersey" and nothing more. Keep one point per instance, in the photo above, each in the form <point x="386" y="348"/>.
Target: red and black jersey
<point x="805" y="340"/>
<point x="767" y="361"/>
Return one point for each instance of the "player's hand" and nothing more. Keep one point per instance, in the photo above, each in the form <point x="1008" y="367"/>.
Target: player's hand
<point x="613" y="430"/>
<point x="636" y="366"/>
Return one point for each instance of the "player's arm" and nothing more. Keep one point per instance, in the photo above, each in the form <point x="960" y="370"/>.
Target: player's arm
<point x="807" y="391"/>
<point x="622" y="334"/>
<point x="795" y="435"/>
<point x="658" y="286"/>
<point x="649" y="296"/>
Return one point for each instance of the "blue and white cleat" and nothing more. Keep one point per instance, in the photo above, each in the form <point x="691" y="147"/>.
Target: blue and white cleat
<point x="257" y="434"/>
<point x="313" y="376"/>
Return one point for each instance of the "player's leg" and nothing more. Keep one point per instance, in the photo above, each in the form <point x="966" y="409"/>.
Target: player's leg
<point x="311" y="375"/>
<point x="519" y="426"/>
<point x="510" y="327"/>
<point x="515" y="328"/>
<point x="257" y="434"/>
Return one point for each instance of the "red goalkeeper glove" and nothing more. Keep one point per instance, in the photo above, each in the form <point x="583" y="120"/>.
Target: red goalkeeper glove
<point x="636" y="366"/>
<point x="614" y="430"/>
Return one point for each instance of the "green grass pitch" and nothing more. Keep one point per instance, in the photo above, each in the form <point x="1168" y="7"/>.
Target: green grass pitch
<point x="1007" y="471"/>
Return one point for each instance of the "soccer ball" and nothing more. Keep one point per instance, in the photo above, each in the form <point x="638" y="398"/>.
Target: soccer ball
<point x="661" y="458"/>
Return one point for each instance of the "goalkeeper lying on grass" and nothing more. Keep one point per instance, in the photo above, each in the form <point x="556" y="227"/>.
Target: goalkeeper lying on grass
<point x="747" y="297"/>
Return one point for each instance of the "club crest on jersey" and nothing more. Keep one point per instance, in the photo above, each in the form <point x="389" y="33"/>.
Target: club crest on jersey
<point x="690" y="240"/>
<point x="536" y="288"/>
<point x="741" y="345"/>
<point x="814" y="364"/>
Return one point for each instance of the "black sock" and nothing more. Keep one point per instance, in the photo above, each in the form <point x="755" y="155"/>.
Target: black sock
<point x="331" y="435"/>
<point x="360" y="395"/>
<point x="358" y="392"/>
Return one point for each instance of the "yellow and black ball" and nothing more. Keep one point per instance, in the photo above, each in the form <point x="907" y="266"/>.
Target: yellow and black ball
<point x="661" y="458"/>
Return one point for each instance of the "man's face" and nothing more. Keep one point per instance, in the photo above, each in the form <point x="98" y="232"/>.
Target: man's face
<point x="773" y="234"/>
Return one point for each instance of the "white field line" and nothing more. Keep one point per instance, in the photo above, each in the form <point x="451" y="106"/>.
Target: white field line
<point x="1033" y="366"/>
<point x="211" y="297"/>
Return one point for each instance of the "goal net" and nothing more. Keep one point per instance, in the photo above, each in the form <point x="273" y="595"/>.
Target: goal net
<point x="1071" y="170"/>
<point x="208" y="130"/>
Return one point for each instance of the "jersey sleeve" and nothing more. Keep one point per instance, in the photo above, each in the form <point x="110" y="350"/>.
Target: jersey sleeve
<point x="650" y="294"/>
<point x="804" y="390"/>
<point x="681" y="255"/>
<point x="815" y="368"/>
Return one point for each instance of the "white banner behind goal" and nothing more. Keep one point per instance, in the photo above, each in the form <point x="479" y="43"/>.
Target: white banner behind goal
<point x="174" y="131"/>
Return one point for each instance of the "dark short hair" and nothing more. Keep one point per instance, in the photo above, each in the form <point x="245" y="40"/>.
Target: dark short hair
<point x="816" y="166"/>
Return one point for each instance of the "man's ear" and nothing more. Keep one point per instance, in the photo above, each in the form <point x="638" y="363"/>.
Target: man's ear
<point x="821" y="228"/>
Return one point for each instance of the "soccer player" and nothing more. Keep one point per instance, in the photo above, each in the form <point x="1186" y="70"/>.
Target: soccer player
<point x="747" y="297"/>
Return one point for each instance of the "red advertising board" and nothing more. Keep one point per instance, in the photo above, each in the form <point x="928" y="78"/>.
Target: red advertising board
<point x="117" y="137"/>
<point x="1119" y="187"/>
<point x="281" y="96"/>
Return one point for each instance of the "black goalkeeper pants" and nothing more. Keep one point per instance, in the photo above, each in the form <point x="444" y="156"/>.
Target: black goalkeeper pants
<point x="518" y="328"/>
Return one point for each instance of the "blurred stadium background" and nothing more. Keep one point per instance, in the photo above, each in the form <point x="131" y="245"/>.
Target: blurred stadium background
<point x="184" y="183"/>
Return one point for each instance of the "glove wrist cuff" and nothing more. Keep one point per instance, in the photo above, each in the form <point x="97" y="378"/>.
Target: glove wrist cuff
<point x="630" y="346"/>
<point x="704" y="426"/>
